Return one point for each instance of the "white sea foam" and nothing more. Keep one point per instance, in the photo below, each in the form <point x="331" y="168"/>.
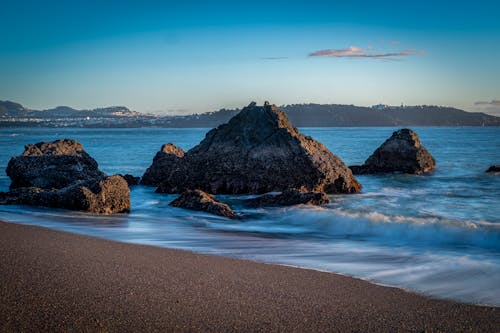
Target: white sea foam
<point x="436" y="234"/>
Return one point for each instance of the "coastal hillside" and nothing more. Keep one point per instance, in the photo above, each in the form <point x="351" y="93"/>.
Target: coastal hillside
<point x="301" y="115"/>
<point x="329" y="115"/>
<point x="13" y="110"/>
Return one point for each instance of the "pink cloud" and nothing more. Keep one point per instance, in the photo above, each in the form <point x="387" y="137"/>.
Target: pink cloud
<point x="358" y="52"/>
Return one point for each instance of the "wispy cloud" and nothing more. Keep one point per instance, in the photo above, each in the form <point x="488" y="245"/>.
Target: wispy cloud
<point x="492" y="102"/>
<point x="491" y="107"/>
<point x="359" y="52"/>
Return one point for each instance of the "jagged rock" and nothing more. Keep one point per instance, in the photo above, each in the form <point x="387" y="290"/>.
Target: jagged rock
<point x="130" y="179"/>
<point x="104" y="196"/>
<point x="290" y="197"/>
<point x="61" y="174"/>
<point x="494" y="169"/>
<point x="402" y="152"/>
<point x="108" y="195"/>
<point x="257" y="151"/>
<point x="201" y="201"/>
<point x="52" y="165"/>
<point x="164" y="164"/>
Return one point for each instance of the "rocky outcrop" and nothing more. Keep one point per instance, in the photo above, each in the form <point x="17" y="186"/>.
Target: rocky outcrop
<point x="402" y="152"/>
<point x="201" y="201"/>
<point x="288" y="198"/>
<point x="494" y="169"/>
<point x="61" y="174"/>
<point x="164" y="164"/>
<point x="107" y="195"/>
<point x="52" y="165"/>
<point x="257" y="151"/>
<point x="130" y="179"/>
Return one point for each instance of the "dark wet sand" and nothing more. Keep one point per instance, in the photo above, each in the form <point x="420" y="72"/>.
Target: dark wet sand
<point x="55" y="281"/>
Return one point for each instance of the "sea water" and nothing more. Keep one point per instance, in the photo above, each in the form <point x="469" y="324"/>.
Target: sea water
<point x="437" y="234"/>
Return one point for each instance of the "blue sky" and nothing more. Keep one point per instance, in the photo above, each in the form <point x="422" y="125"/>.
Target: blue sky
<point x="189" y="56"/>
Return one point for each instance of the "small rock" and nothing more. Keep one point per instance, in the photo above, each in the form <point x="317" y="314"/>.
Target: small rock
<point x="290" y="197"/>
<point x="494" y="169"/>
<point x="402" y="152"/>
<point x="164" y="164"/>
<point x="202" y="201"/>
<point x="130" y="179"/>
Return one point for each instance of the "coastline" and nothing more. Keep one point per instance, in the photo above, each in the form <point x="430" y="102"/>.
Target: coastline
<point x="58" y="281"/>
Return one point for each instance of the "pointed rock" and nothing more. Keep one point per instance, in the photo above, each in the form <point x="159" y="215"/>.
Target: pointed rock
<point x="258" y="151"/>
<point x="402" y="152"/>
<point x="164" y="164"/>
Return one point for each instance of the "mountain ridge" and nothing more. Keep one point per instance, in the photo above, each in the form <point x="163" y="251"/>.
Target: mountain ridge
<point x="13" y="114"/>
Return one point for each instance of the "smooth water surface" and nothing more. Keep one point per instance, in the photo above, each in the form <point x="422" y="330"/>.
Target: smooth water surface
<point x="437" y="234"/>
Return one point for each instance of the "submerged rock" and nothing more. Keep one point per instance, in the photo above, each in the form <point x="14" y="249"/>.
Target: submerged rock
<point x="494" y="169"/>
<point x="402" y="152"/>
<point x="61" y="174"/>
<point x="164" y="164"/>
<point x="289" y="198"/>
<point x="51" y="165"/>
<point x="201" y="201"/>
<point x="257" y="151"/>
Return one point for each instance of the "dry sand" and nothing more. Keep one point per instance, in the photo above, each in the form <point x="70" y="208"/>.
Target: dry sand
<point x="56" y="281"/>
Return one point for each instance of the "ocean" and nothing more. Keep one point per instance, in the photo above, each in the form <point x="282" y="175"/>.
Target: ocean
<point x="436" y="234"/>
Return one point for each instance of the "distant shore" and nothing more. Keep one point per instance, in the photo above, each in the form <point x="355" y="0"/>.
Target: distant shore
<point x="57" y="281"/>
<point x="301" y="115"/>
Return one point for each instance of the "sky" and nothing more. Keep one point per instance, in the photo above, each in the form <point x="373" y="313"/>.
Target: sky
<point x="179" y="57"/>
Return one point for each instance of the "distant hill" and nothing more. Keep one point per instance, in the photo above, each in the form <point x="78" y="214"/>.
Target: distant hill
<point x="10" y="109"/>
<point x="301" y="115"/>
<point x="327" y="115"/>
<point x="338" y="115"/>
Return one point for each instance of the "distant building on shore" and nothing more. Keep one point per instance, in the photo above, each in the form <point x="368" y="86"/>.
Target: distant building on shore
<point x="385" y="106"/>
<point x="380" y="106"/>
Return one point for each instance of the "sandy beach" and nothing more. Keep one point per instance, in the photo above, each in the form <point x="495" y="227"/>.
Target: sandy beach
<point x="56" y="281"/>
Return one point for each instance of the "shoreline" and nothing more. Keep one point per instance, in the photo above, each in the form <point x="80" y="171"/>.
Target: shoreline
<point x="57" y="281"/>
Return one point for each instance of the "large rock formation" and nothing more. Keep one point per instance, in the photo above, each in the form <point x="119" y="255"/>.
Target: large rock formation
<point x="164" y="164"/>
<point x="52" y="165"/>
<point x="61" y="174"/>
<point x="201" y="201"/>
<point x="402" y="152"/>
<point x="288" y="198"/>
<point x="257" y="151"/>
